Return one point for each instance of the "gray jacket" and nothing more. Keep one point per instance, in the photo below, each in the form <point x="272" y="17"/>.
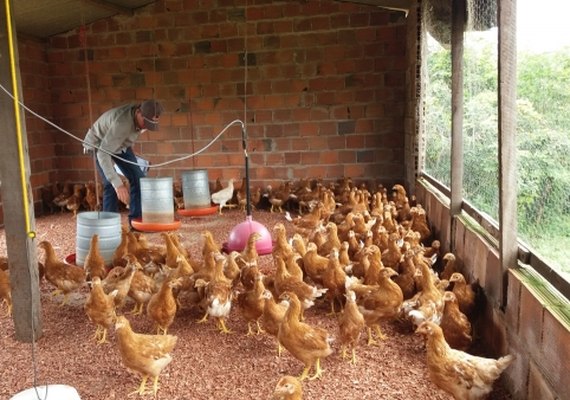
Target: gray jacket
<point x="114" y="131"/>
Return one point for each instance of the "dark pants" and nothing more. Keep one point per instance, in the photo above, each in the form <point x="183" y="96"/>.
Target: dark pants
<point x="133" y="173"/>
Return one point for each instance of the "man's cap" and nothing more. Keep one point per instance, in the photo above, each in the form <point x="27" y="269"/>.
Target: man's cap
<point x="151" y="109"/>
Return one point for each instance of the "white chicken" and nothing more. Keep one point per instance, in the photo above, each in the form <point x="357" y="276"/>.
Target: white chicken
<point x="221" y="197"/>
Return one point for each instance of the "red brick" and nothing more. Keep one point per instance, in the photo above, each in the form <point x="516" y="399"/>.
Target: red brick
<point x="556" y="350"/>
<point x="531" y="320"/>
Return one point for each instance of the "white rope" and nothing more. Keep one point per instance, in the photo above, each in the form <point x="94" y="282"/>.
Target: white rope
<point x="234" y="122"/>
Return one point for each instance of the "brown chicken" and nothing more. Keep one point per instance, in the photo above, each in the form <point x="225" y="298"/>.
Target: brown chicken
<point x="372" y="274"/>
<point x="281" y="247"/>
<point x="464" y="376"/>
<point x="307" y="223"/>
<point x="94" y="262"/>
<point x="75" y="201"/>
<point x="241" y="194"/>
<point x="48" y="193"/>
<point x="333" y="278"/>
<point x="378" y="303"/>
<point x="314" y="264"/>
<point x="405" y="278"/>
<point x="100" y="309"/>
<point x="175" y="237"/>
<point x="120" y="278"/>
<point x="161" y="307"/>
<point x="332" y="242"/>
<point x="272" y="316"/>
<point x="288" y="388"/>
<point x="419" y="223"/>
<point x="345" y="226"/>
<point x="152" y="253"/>
<point x="350" y="326"/>
<point x="232" y="270"/>
<point x="172" y="251"/>
<point x="143" y="287"/>
<point x="5" y="290"/>
<point x="449" y="266"/>
<point x="144" y="354"/>
<point x="60" y="200"/>
<point x="91" y="199"/>
<point x="217" y="296"/>
<point x="251" y="303"/>
<point x="293" y="265"/>
<point x="210" y="244"/>
<point x="464" y="293"/>
<point x="285" y="282"/>
<point x="392" y="256"/>
<point x="249" y="254"/>
<point x="454" y="324"/>
<point x="427" y="304"/>
<point x="299" y="244"/>
<point x="122" y="249"/>
<point x="65" y="277"/>
<point x="306" y="343"/>
<point x="278" y="197"/>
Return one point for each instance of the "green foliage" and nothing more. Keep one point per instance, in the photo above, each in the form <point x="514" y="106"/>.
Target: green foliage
<point x="543" y="139"/>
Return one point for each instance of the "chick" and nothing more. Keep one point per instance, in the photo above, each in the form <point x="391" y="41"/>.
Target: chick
<point x="146" y="355"/>
<point x="288" y="388"/>
<point x="464" y="376"/>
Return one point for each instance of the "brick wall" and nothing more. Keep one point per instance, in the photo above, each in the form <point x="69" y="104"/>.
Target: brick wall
<point x="41" y="137"/>
<point x="324" y="96"/>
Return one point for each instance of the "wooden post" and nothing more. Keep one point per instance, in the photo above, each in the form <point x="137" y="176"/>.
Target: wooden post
<point x="508" y="245"/>
<point x="458" y="17"/>
<point x="17" y="197"/>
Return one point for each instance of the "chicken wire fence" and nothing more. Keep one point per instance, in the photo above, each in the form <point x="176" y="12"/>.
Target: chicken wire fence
<point x="543" y="118"/>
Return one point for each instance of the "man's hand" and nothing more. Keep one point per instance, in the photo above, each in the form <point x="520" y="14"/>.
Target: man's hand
<point x="123" y="194"/>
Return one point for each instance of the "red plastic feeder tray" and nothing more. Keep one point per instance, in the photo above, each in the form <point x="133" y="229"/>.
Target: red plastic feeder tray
<point x="198" y="212"/>
<point x="71" y="259"/>
<point x="139" y="225"/>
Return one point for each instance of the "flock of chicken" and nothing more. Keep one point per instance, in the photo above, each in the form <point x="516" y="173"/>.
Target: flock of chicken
<point x="368" y="254"/>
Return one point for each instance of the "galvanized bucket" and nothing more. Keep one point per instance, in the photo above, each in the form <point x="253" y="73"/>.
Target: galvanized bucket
<point x="103" y="223"/>
<point x="196" y="189"/>
<point x="157" y="200"/>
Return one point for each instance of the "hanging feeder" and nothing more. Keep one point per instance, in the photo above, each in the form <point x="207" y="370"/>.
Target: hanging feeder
<point x="196" y="192"/>
<point x="239" y="235"/>
<point x="157" y="204"/>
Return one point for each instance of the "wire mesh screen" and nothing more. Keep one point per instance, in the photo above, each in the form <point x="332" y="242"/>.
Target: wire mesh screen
<point x="436" y="78"/>
<point x="480" y="103"/>
<point x="543" y="116"/>
<point x="543" y="125"/>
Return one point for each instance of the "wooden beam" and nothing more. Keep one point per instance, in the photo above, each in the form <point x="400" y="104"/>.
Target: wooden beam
<point x="508" y="245"/>
<point x="15" y="169"/>
<point x="458" y="19"/>
<point x="110" y="6"/>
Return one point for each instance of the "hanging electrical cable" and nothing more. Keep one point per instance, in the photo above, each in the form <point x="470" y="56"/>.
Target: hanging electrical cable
<point x="210" y="143"/>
